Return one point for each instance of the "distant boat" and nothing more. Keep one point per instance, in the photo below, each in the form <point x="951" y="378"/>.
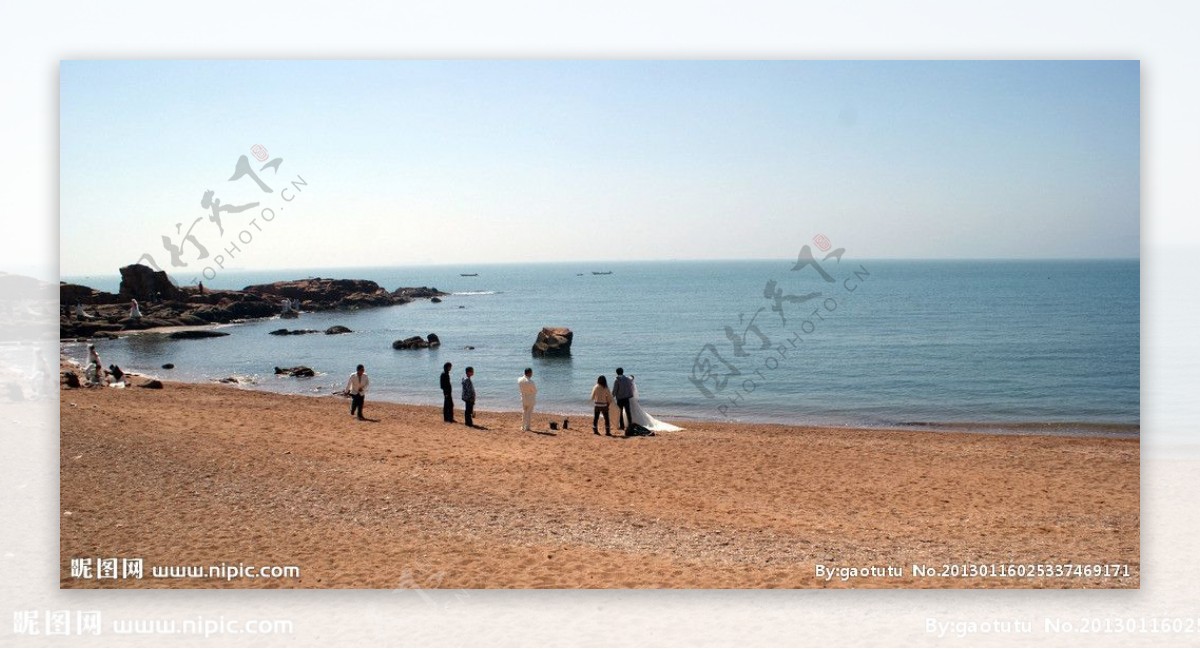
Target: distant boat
<point x="597" y="272"/>
<point x="468" y="274"/>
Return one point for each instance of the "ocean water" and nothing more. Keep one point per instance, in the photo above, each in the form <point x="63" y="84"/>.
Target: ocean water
<point x="1041" y="346"/>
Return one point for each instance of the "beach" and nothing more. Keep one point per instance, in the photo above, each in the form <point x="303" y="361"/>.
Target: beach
<point x="203" y="475"/>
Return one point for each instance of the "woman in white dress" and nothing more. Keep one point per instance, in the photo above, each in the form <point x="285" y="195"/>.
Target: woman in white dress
<point x="643" y="418"/>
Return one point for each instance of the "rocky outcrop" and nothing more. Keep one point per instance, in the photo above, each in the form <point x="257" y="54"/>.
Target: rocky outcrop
<point x="293" y="332"/>
<point x="165" y="305"/>
<point x="87" y="329"/>
<point x="141" y="283"/>
<point x="153" y="384"/>
<point x="195" y="334"/>
<point x="338" y="329"/>
<point x="417" y="293"/>
<point x="298" y="371"/>
<point x="71" y="294"/>
<point x="553" y="341"/>
<point x="322" y="294"/>
<point x="417" y="342"/>
<point x="195" y="310"/>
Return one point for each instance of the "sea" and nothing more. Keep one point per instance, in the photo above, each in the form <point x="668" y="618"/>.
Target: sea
<point x="1007" y="346"/>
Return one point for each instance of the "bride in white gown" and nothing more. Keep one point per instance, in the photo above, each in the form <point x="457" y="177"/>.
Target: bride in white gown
<point x="640" y="416"/>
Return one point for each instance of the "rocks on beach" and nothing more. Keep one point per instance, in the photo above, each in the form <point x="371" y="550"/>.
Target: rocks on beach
<point x="163" y="304"/>
<point x="553" y="341"/>
<point x="417" y="342"/>
<point x="293" y="332"/>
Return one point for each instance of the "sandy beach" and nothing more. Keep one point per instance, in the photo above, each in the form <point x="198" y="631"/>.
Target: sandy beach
<point x="206" y="475"/>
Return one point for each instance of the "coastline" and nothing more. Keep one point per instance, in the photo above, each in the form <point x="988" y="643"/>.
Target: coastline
<point x="1020" y="399"/>
<point x="203" y="474"/>
<point x="1101" y="430"/>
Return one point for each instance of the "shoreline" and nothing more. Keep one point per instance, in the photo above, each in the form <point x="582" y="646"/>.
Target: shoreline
<point x="1015" y="428"/>
<point x="1009" y="428"/>
<point x="406" y="501"/>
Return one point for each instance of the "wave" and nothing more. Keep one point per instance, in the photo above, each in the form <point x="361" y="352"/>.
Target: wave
<point x="475" y="293"/>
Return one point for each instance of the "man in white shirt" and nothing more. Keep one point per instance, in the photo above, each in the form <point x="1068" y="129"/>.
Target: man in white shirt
<point x="528" y="396"/>
<point x="357" y="388"/>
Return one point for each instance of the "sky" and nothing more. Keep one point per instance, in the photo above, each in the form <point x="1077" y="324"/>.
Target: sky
<point x="381" y="163"/>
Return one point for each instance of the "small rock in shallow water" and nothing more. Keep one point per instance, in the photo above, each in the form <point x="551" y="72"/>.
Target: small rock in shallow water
<point x="192" y="334"/>
<point x="299" y="370"/>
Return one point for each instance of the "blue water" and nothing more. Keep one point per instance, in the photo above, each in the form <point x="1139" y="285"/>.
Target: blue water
<point x="1021" y="344"/>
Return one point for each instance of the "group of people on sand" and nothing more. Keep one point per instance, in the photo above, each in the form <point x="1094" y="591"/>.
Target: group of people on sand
<point x="623" y="394"/>
<point x="95" y="374"/>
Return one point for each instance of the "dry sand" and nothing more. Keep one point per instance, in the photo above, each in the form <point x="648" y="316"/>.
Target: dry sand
<point x="205" y="475"/>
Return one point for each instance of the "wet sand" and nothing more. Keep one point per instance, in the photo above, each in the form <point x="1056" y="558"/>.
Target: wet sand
<point x="208" y="475"/>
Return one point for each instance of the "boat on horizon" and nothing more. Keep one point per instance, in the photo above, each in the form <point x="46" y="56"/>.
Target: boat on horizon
<point x="468" y="274"/>
<point x="605" y="272"/>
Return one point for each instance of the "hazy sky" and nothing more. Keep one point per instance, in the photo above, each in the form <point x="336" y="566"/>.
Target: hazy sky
<point x="494" y="161"/>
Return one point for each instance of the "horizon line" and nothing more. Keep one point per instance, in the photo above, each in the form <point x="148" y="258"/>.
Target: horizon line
<point x="623" y="261"/>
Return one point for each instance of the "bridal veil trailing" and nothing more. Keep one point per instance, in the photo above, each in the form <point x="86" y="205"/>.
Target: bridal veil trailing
<point x="640" y="416"/>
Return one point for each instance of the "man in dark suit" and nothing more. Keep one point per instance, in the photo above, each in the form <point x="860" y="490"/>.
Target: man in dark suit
<point x="623" y="392"/>
<point x="448" y="397"/>
<point x="468" y="397"/>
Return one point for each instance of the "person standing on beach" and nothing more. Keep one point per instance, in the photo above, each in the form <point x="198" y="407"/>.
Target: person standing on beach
<point x="468" y="397"/>
<point x="601" y="399"/>
<point x="357" y="388"/>
<point x="623" y="392"/>
<point x="94" y="372"/>
<point x="447" y="395"/>
<point x="528" y="397"/>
